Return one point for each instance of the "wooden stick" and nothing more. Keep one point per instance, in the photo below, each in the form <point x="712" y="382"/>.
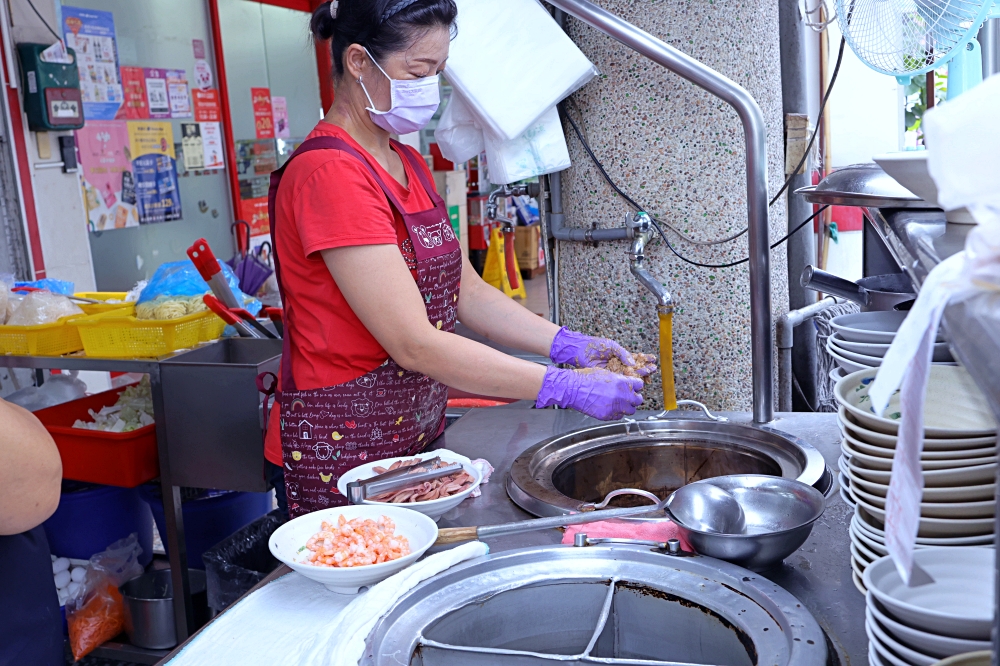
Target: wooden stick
<point x="449" y="535"/>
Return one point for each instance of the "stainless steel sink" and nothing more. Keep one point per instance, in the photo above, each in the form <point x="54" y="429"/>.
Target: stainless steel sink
<point x="558" y="474"/>
<point x="610" y="604"/>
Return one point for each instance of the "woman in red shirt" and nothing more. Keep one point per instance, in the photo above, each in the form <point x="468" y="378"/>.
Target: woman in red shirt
<point x="373" y="279"/>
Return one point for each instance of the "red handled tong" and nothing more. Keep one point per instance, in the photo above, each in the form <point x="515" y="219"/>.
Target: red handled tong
<point x="241" y="319"/>
<point x="208" y="266"/>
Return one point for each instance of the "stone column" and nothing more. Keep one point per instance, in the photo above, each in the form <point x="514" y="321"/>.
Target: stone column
<point x="679" y="152"/>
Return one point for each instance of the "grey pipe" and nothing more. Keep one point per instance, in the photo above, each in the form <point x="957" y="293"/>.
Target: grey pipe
<point x="750" y="115"/>
<point x="989" y="41"/>
<point x="785" y="333"/>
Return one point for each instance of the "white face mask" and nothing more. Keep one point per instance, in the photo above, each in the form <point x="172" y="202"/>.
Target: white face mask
<point x="413" y="103"/>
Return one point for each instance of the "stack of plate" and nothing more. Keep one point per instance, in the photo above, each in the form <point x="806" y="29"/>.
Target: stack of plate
<point x="917" y="626"/>
<point x="861" y="340"/>
<point x="959" y="462"/>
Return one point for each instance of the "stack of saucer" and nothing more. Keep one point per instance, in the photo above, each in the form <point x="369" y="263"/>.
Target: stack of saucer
<point x="959" y="462"/>
<point x="917" y="626"/>
<point x="862" y="339"/>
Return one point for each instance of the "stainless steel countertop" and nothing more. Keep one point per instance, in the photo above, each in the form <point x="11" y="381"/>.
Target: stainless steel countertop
<point x="818" y="574"/>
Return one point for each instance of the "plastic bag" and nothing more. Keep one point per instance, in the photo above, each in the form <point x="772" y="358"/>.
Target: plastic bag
<point x="96" y="613"/>
<point x="457" y="134"/>
<point x="42" y="307"/>
<point x="48" y="284"/>
<point x="56" y="390"/>
<point x="181" y="278"/>
<point x="541" y="149"/>
<point x="6" y="282"/>
<point x="240" y="561"/>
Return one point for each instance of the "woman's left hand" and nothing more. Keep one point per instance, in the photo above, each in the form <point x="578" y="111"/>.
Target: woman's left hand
<point x="584" y="351"/>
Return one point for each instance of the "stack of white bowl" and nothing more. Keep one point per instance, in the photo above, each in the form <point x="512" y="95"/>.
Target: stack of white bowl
<point x="917" y="626"/>
<point x="959" y="462"/>
<point x="861" y="340"/>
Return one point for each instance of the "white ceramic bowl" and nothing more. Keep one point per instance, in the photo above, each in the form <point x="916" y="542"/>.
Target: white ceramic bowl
<point x="878" y="350"/>
<point x="873" y="658"/>
<point x="983" y="509"/>
<point x="836" y="373"/>
<point x="958" y="603"/>
<point x="885" y="463"/>
<point x="910" y="656"/>
<point x="873" y="527"/>
<point x="855" y="444"/>
<point x="846" y="364"/>
<point x="936" y="478"/>
<point x="954" y="406"/>
<point x="849" y="424"/>
<point x="288" y="543"/>
<point x="433" y="508"/>
<point x="861" y="552"/>
<point x="863" y="359"/>
<point x="939" y="527"/>
<point x="983" y="492"/>
<point x="931" y="644"/>
<point x="878" y="327"/>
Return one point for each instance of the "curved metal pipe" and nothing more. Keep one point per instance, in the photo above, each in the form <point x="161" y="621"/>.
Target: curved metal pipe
<point x="756" y="161"/>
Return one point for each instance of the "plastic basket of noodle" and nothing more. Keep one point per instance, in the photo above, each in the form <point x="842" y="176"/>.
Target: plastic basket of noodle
<point x="111" y="335"/>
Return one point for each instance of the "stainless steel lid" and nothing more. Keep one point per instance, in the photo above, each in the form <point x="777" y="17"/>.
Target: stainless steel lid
<point x="865" y="185"/>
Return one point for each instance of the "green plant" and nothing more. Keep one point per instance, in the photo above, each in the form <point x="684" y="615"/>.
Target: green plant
<point x="915" y="91"/>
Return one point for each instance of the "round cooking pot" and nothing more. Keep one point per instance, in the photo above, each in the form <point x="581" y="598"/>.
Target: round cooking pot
<point x="877" y="292"/>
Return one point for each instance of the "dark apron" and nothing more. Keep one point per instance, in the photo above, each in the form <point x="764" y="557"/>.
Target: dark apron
<point x="389" y="411"/>
<point x="30" y="624"/>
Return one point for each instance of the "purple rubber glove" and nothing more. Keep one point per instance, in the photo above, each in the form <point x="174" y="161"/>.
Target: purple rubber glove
<point x="598" y="393"/>
<point x="584" y="351"/>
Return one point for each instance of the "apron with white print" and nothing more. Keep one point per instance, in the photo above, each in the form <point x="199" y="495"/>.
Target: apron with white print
<point x="386" y="412"/>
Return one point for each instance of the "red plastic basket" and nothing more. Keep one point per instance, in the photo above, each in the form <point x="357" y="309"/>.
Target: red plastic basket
<point x="125" y="459"/>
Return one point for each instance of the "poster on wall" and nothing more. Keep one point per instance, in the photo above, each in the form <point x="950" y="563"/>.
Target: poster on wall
<point x="263" y="115"/>
<point x="279" y="107"/>
<point x="135" y="105"/>
<point x="108" y="186"/>
<point x="211" y="143"/>
<point x="154" y="165"/>
<point x="206" y="106"/>
<point x="202" y="146"/>
<point x="254" y="211"/>
<point x="91" y="33"/>
<point x="177" y="91"/>
<point x="156" y="92"/>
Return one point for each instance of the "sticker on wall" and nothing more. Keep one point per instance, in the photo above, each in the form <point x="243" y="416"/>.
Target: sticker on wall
<point x="254" y="211"/>
<point x="211" y="143"/>
<point x="177" y="92"/>
<point x="206" y="106"/>
<point x="191" y="146"/>
<point x="154" y="165"/>
<point x="135" y="106"/>
<point x="202" y="74"/>
<point x="156" y="92"/>
<point x="279" y="107"/>
<point x="108" y="192"/>
<point x="263" y="115"/>
<point x="198" y="46"/>
<point x="91" y="34"/>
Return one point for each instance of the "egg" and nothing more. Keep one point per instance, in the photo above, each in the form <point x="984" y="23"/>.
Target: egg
<point x="78" y="574"/>
<point x="62" y="579"/>
<point x="73" y="588"/>
<point x="60" y="564"/>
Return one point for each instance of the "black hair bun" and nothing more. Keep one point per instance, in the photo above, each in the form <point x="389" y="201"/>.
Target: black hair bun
<point x="322" y="25"/>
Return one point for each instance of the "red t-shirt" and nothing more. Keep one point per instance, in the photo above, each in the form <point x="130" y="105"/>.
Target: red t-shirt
<point x="328" y="199"/>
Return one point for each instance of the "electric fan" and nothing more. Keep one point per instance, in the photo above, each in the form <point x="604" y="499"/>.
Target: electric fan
<point x="906" y="38"/>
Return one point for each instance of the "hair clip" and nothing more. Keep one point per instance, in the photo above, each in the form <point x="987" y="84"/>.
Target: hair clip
<point x="334" y="7"/>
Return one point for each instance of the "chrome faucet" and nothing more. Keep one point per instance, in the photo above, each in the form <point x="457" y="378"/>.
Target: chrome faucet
<point x="640" y="230"/>
<point x="492" y="205"/>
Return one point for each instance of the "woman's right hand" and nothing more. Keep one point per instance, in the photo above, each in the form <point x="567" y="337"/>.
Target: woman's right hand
<point x="595" y="392"/>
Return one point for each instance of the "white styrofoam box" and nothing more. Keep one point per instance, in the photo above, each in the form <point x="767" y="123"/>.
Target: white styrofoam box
<point x="512" y="62"/>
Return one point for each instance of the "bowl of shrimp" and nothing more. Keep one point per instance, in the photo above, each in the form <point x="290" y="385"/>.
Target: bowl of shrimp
<point x="350" y="547"/>
<point x="434" y="498"/>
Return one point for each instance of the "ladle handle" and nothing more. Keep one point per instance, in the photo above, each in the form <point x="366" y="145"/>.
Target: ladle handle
<point x="814" y="278"/>
<point x="450" y="535"/>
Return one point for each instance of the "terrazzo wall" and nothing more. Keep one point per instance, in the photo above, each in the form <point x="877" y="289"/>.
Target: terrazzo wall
<point x="680" y="153"/>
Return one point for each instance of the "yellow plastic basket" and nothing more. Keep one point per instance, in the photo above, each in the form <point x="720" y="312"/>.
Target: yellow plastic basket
<point x="42" y="340"/>
<point x="212" y="328"/>
<point x="98" y="308"/>
<point x="110" y="335"/>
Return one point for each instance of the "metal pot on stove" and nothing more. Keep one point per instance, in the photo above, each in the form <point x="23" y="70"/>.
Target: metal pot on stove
<point x="877" y="292"/>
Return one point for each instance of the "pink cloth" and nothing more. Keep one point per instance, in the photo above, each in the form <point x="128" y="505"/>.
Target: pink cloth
<point x="659" y="531"/>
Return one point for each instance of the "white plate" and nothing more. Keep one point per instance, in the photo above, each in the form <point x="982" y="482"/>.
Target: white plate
<point x="954" y="406"/>
<point x="287" y="543"/>
<point x="858" y="568"/>
<point x="958" y="603"/>
<point x="849" y="424"/>
<point x="847" y="365"/>
<point x="836" y="373"/>
<point x="873" y="528"/>
<point x="939" y="527"/>
<point x="873" y="658"/>
<point x="885" y="463"/>
<point x="934" y="645"/>
<point x="984" y="509"/>
<point x="910" y="655"/>
<point x="842" y="479"/>
<point x="858" y="582"/>
<point x="854" y="444"/>
<point x="935" y="478"/>
<point x="887" y="656"/>
<point x="859" y="551"/>
<point x="878" y="327"/>
<point x="862" y="538"/>
<point x="871" y="349"/>
<point x="433" y="508"/>
<point x="863" y="359"/>
<point x="848" y="500"/>
<point x="941" y="494"/>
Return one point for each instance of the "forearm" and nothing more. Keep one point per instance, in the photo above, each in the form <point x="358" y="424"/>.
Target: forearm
<point x="490" y="313"/>
<point x="472" y="367"/>
<point x="30" y="471"/>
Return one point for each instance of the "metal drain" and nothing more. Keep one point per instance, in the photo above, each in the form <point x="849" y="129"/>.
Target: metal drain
<point x="600" y="604"/>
